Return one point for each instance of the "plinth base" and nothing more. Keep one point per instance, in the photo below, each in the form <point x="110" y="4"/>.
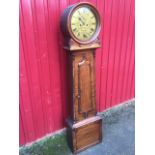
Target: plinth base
<point x="84" y="134"/>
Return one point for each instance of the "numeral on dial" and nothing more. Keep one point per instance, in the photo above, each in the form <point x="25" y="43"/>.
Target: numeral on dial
<point x="92" y="29"/>
<point x="84" y="35"/>
<point x="74" y="29"/>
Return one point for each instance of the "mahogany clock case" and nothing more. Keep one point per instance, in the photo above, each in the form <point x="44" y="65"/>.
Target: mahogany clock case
<point x="84" y="126"/>
<point x="66" y="22"/>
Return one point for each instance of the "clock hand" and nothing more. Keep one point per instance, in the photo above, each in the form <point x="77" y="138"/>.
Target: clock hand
<point x="83" y="18"/>
<point x="82" y="21"/>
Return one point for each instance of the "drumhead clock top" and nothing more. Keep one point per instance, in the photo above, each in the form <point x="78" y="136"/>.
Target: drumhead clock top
<point x="81" y="22"/>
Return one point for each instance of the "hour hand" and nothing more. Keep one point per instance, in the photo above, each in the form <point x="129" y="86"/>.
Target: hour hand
<point x="82" y="21"/>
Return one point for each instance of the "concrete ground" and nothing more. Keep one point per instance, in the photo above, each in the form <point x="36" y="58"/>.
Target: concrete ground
<point x="118" y="136"/>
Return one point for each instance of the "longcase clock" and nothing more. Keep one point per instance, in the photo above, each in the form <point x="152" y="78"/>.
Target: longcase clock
<point x="80" y="24"/>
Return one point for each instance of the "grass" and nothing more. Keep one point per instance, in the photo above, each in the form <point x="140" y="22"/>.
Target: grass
<point x="55" y="145"/>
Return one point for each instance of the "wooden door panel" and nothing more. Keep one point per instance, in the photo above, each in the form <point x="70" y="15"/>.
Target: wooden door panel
<point x="84" y="85"/>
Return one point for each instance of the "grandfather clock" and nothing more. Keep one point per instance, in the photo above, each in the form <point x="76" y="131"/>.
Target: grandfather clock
<point x="80" y="24"/>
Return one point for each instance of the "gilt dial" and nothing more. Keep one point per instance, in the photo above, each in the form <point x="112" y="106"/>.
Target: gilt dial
<point x="83" y="23"/>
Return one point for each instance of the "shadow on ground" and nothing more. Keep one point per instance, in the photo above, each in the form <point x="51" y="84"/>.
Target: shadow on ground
<point x="118" y="136"/>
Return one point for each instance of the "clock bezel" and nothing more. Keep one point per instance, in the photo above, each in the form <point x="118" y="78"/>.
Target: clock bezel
<point x="98" y="21"/>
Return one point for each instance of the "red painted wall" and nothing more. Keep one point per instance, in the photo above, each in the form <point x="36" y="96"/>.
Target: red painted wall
<point x="43" y="95"/>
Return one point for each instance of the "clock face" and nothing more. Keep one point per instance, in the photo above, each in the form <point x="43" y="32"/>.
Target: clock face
<point x="83" y="23"/>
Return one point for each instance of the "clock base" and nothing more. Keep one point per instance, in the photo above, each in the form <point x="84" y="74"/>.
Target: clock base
<point x="84" y="134"/>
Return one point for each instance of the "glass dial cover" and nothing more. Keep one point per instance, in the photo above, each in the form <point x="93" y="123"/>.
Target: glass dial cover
<point x="83" y="23"/>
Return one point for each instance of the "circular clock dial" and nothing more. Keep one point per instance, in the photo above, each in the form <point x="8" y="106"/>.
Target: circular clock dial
<point x="83" y="23"/>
